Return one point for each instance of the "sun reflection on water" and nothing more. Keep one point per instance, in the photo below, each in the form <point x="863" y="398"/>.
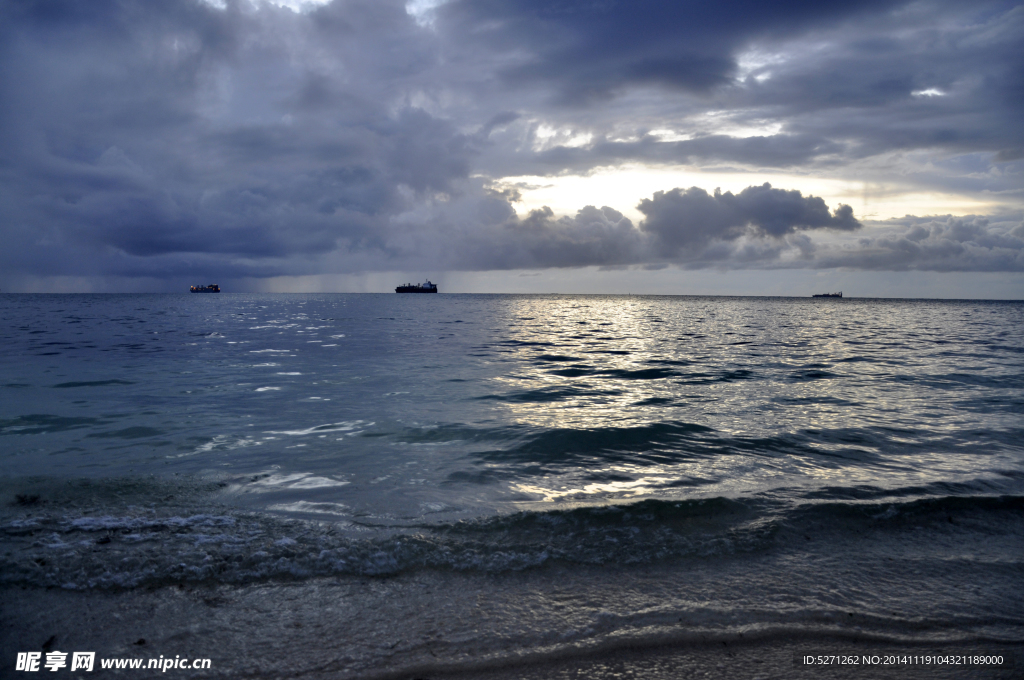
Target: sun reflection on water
<point x="667" y="395"/>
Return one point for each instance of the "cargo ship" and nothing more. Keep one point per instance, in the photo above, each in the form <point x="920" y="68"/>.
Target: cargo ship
<point x="427" y="287"/>
<point x="839" y="294"/>
<point x="212" y="288"/>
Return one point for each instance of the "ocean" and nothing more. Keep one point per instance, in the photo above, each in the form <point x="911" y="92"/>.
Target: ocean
<point x="418" y="486"/>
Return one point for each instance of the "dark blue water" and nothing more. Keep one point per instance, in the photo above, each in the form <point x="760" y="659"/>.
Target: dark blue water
<point x="697" y="463"/>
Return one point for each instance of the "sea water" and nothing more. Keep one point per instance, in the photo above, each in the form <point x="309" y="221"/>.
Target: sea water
<point x="437" y="481"/>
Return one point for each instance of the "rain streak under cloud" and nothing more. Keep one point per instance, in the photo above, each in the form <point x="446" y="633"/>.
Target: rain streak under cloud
<point x="242" y="141"/>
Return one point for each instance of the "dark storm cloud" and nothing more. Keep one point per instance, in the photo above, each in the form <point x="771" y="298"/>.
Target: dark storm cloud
<point x="178" y="128"/>
<point x="178" y="139"/>
<point x="936" y="244"/>
<point x="690" y="219"/>
<point x="587" y="51"/>
<point x="593" y="236"/>
<point x="838" y="82"/>
<point x="948" y="81"/>
<point x="944" y="244"/>
<point x="761" y="151"/>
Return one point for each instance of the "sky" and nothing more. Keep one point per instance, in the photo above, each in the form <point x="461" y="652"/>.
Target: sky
<point x="607" y="146"/>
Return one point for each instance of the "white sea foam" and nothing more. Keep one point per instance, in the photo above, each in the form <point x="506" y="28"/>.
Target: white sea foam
<point x="308" y="507"/>
<point x="343" y="426"/>
<point x="298" y="480"/>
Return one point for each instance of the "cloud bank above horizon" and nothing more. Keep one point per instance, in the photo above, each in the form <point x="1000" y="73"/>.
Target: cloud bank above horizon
<point x="240" y="140"/>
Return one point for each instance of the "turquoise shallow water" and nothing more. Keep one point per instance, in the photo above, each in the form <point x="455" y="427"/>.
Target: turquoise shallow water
<point x="777" y="461"/>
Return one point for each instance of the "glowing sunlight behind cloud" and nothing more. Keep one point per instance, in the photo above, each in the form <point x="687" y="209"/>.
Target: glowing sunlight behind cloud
<point x="624" y="187"/>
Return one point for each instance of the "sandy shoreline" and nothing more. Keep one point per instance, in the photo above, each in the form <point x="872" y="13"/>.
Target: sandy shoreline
<point x="376" y="629"/>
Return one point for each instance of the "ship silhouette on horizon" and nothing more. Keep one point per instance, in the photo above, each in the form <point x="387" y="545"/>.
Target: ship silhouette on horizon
<point x="427" y="287"/>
